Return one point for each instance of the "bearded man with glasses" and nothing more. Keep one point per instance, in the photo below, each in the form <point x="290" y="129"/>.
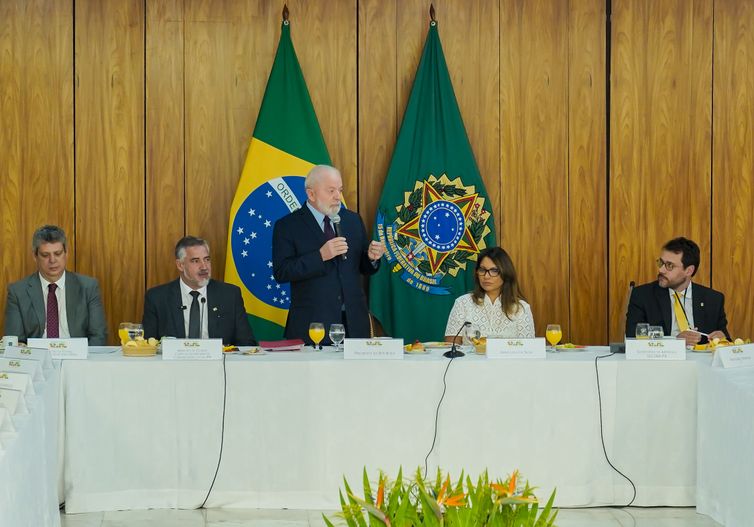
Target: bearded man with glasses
<point x="689" y="311"/>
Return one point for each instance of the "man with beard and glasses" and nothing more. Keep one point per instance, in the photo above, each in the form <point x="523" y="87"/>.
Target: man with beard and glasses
<point x="685" y="310"/>
<point x="194" y="305"/>
<point x="324" y="268"/>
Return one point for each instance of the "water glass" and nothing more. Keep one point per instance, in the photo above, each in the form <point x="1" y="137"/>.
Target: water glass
<point x="642" y="330"/>
<point x="337" y="334"/>
<point x="656" y="332"/>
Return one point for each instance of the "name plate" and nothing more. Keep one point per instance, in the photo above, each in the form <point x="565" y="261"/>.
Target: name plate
<point x="39" y="354"/>
<point x="6" y="423"/>
<point x="516" y="348"/>
<point x="373" y="349"/>
<point x="192" y="349"/>
<point x="17" y="381"/>
<point x="13" y="401"/>
<point x="63" y="349"/>
<point x="655" y="349"/>
<point x="734" y="356"/>
<point x="32" y="367"/>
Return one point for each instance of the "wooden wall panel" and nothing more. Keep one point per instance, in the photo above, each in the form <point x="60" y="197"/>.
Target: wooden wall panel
<point x="110" y="184"/>
<point x="36" y="135"/>
<point x="228" y="52"/>
<point x="733" y="167"/>
<point x="325" y="41"/>
<point x="660" y="181"/>
<point x="587" y="185"/>
<point x="165" y="191"/>
<point x="378" y="113"/>
<point x="534" y="148"/>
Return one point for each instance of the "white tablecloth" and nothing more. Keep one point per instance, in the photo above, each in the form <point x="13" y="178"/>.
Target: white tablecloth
<point x="726" y="445"/>
<point x="28" y="470"/>
<point x="143" y="433"/>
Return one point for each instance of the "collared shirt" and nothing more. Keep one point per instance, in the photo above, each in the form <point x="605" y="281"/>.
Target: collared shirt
<point x="63" y="331"/>
<point x="489" y="319"/>
<point x="688" y="308"/>
<point x="186" y="300"/>
<point x="317" y="216"/>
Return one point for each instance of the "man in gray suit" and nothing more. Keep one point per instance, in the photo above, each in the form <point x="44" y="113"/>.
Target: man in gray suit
<point x="53" y="302"/>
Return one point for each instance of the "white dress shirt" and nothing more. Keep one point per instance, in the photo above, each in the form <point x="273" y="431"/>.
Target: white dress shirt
<point x="688" y="307"/>
<point x="489" y="318"/>
<point x="60" y="295"/>
<point x="186" y="299"/>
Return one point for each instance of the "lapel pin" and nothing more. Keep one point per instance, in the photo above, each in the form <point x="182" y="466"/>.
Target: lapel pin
<point x="215" y="308"/>
<point x="701" y="304"/>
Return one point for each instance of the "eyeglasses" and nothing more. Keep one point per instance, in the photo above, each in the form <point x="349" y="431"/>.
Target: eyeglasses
<point x="667" y="265"/>
<point x="492" y="271"/>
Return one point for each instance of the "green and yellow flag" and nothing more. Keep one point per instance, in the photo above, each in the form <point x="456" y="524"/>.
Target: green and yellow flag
<point x="434" y="215"/>
<point x="287" y="142"/>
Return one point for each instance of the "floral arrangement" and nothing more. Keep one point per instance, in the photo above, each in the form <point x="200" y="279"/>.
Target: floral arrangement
<point x="420" y="503"/>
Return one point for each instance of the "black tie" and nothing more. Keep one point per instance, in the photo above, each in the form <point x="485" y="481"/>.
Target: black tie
<point x="195" y="330"/>
<point x="329" y="232"/>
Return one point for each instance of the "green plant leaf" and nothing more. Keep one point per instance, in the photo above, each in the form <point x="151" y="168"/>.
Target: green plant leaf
<point x="367" y="488"/>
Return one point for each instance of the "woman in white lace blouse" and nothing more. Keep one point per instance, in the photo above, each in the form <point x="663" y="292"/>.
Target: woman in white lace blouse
<point x="496" y="306"/>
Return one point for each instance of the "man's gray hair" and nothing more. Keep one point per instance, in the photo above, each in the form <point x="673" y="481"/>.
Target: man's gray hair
<point x="188" y="241"/>
<point x="316" y="173"/>
<point x="48" y="234"/>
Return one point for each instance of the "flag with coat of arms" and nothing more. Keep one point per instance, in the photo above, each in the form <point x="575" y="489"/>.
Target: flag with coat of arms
<point x="287" y="142"/>
<point x="434" y="214"/>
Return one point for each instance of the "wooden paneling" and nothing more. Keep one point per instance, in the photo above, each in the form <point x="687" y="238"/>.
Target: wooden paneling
<point x="661" y="125"/>
<point x="229" y="48"/>
<point x="164" y="138"/>
<point x="534" y="149"/>
<point x="378" y="111"/>
<point x="587" y="185"/>
<point x="110" y="182"/>
<point x="36" y="131"/>
<point x="325" y="41"/>
<point x="167" y="93"/>
<point x="733" y="167"/>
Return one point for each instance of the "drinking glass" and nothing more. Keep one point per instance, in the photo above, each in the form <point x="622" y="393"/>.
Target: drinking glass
<point x="337" y="334"/>
<point x="130" y="331"/>
<point x="317" y="333"/>
<point x="656" y="332"/>
<point x="642" y="330"/>
<point x="553" y="334"/>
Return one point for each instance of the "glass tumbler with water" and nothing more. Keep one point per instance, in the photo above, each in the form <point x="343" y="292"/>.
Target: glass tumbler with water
<point x="656" y="332"/>
<point x="642" y="330"/>
<point x="337" y="334"/>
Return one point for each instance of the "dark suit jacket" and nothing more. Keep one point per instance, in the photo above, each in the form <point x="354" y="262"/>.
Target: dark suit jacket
<point x="25" y="311"/>
<point x="651" y="303"/>
<point x="225" y="312"/>
<point x="319" y="290"/>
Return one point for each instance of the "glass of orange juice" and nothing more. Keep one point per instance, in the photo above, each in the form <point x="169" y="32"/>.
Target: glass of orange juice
<point x="317" y="333"/>
<point x="553" y="334"/>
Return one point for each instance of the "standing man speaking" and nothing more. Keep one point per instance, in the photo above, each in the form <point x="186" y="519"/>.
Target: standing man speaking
<point x="322" y="249"/>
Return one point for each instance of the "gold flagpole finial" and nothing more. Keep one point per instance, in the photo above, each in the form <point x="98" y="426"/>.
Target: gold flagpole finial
<point x="285" y="13"/>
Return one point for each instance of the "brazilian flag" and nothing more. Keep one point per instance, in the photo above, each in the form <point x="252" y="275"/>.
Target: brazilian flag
<point x="434" y="215"/>
<point x="287" y="142"/>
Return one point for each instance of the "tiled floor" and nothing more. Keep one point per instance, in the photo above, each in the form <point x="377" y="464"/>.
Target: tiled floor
<point x="633" y="517"/>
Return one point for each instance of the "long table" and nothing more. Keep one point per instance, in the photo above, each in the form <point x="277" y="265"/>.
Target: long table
<point x="143" y="433"/>
<point x="29" y="465"/>
<point x="726" y="445"/>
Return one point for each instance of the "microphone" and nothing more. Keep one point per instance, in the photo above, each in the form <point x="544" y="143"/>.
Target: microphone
<point x="335" y="220"/>
<point x="455" y="352"/>
<point x="201" y="317"/>
<point x="620" y="347"/>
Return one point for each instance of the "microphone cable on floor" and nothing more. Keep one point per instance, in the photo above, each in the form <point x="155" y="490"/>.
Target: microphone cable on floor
<point x="437" y="414"/>
<point x="222" y="435"/>
<point x="602" y="434"/>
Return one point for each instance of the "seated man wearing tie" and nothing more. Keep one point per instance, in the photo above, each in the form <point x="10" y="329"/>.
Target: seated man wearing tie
<point x="53" y="302"/>
<point x="195" y="306"/>
<point x="324" y="267"/>
<point x="685" y="310"/>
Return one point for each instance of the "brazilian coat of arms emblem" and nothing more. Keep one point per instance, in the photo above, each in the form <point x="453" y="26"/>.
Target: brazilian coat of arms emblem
<point x="439" y="228"/>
